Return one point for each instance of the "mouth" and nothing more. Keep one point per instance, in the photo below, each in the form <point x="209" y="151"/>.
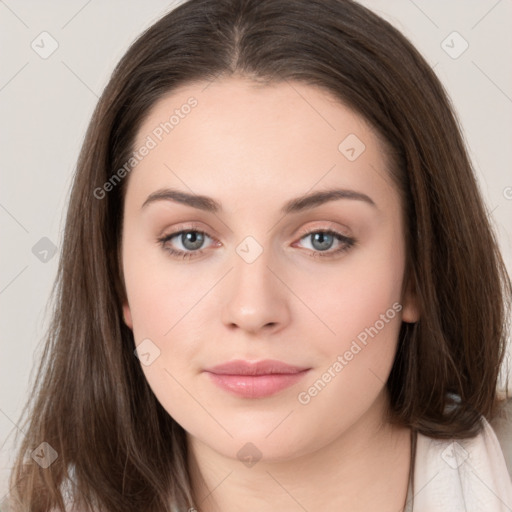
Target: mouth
<point x="255" y="379"/>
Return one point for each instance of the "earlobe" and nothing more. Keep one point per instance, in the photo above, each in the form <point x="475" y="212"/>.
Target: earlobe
<point x="127" y="315"/>
<point x="410" y="303"/>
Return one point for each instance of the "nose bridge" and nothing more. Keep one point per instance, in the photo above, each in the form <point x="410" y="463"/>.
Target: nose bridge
<point x="256" y="298"/>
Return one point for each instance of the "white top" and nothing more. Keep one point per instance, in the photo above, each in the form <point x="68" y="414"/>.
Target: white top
<point x="463" y="475"/>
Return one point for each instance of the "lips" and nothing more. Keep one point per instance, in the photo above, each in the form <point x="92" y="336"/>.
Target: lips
<point x="255" y="379"/>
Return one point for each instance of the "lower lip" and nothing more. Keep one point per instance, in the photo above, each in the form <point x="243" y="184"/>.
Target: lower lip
<point x="256" y="386"/>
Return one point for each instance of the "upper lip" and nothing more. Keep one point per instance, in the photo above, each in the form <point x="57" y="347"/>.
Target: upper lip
<point x="266" y="367"/>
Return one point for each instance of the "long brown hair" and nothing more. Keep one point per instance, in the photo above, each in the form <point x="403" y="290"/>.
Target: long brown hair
<point x="118" y="449"/>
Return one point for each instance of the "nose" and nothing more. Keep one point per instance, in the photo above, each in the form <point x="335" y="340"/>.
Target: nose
<point x="256" y="300"/>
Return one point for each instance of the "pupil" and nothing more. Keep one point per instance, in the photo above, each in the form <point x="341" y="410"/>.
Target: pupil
<point x="321" y="238"/>
<point x="192" y="240"/>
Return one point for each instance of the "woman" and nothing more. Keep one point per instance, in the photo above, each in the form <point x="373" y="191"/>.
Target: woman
<point x="278" y="284"/>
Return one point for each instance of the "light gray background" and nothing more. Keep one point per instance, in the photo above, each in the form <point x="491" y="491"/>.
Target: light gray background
<point x="46" y="104"/>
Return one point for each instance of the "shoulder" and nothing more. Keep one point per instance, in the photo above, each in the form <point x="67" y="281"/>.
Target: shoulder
<point x="462" y="474"/>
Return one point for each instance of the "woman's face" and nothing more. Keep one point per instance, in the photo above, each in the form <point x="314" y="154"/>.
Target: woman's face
<point x="310" y="282"/>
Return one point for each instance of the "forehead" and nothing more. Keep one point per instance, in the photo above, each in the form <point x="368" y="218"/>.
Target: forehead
<point x="241" y="137"/>
<point x="238" y="102"/>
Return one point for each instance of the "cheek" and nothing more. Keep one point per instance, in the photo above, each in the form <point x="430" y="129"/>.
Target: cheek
<point x="166" y="307"/>
<point x="158" y="295"/>
<point x="162" y="310"/>
<point x="362" y="294"/>
<point x="361" y="304"/>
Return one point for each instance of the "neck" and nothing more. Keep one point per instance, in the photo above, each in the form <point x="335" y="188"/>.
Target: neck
<point x="365" y="468"/>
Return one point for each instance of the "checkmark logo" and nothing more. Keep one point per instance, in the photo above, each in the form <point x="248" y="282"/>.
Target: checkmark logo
<point x="249" y="454"/>
<point x="44" y="250"/>
<point x="454" y="455"/>
<point x="147" y="351"/>
<point x="249" y="249"/>
<point x="454" y="45"/>
<point x="44" y="45"/>
<point x="351" y="147"/>
<point x="44" y="455"/>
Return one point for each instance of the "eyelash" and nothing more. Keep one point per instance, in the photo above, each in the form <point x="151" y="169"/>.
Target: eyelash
<point x="347" y="243"/>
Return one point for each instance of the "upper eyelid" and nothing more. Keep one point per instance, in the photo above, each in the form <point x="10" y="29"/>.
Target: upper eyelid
<point x="192" y="227"/>
<point x="303" y="234"/>
<point x="327" y="225"/>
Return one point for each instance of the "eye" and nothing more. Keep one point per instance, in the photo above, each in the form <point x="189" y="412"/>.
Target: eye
<point x="322" y="240"/>
<point x="191" y="241"/>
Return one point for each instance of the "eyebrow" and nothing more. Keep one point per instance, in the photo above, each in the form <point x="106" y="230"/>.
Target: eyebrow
<point x="296" y="205"/>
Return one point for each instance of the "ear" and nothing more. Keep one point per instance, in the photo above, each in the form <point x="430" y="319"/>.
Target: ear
<point x="410" y="303"/>
<point x="127" y="315"/>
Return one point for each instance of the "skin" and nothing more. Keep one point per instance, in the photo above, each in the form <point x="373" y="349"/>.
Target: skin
<point x="252" y="148"/>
